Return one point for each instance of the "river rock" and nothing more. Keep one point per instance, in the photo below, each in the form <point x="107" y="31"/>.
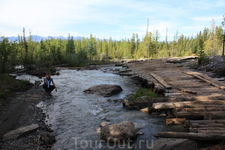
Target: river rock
<point x="103" y="124"/>
<point x="105" y="90"/>
<point x="173" y="144"/>
<point x="47" y="138"/>
<point x="118" y="132"/>
<point x="19" y="132"/>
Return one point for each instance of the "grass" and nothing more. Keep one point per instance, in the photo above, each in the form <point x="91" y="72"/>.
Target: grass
<point x="10" y="85"/>
<point x="145" y="92"/>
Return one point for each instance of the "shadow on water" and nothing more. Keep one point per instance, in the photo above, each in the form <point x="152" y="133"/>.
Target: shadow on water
<point x="75" y="116"/>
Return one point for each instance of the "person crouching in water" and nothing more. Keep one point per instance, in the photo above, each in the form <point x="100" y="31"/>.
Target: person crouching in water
<point x="47" y="84"/>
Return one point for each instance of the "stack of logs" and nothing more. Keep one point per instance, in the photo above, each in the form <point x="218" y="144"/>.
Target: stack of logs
<point x="203" y="118"/>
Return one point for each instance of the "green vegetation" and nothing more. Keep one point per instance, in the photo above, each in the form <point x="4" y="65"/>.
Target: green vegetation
<point x="145" y="92"/>
<point x="10" y="85"/>
<point x="79" y="52"/>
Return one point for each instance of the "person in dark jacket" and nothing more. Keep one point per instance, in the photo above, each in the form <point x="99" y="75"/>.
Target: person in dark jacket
<point x="47" y="84"/>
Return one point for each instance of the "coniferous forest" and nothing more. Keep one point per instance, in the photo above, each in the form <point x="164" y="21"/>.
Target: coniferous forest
<point x="26" y="51"/>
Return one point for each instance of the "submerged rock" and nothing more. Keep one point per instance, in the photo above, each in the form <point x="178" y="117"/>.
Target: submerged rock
<point x="118" y="132"/>
<point x="19" y="132"/>
<point x="105" y="90"/>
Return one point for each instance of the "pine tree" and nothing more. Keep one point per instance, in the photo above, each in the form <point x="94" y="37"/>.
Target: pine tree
<point x="201" y="53"/>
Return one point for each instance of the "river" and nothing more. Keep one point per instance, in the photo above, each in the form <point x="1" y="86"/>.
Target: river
<point x="75" y="116"/>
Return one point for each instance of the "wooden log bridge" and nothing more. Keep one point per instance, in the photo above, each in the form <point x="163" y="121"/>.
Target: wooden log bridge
<point x="191" y="98"/>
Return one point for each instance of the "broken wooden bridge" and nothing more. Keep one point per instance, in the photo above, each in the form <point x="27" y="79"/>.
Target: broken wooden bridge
<point x="191" y="98"/>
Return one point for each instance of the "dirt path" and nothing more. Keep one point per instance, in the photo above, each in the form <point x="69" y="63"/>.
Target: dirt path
<point x="19" y="112"/>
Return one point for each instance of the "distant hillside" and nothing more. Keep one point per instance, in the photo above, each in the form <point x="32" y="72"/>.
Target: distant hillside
<point x="39" y="38"/>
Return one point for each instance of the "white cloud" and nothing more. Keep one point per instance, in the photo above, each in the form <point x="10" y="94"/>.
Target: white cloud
<point x="102" y="17"/>
<point x="207" y="19"/>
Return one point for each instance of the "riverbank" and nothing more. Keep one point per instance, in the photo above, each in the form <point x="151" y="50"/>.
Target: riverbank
<point x="10" y="86"/>
<point x="22" y="111"/>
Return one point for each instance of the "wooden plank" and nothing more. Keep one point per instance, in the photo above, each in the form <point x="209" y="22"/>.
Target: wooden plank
<point x="208" y="79"/>
<point x="161" y="80"/>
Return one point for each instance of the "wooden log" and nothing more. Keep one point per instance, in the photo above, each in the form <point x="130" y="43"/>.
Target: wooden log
<point x="192" y="136"/>
<point x="147" y="109"/>
<point x="201" y="109"/>
<point x="202" y="115"/>
<point x="190" y="115"/>
<point x="161" y="80"/>
<point x="211" y="131"/>
<point x="196" y="123"/>
<point x="208" y="130"/>
<point x="187" y="91"/>
<point x="207" y="79"/>
<point x="146" y="101"/>
<point x="172" y="105"/>
<point x="176" y="121"/>
<point x="207" y="121"/>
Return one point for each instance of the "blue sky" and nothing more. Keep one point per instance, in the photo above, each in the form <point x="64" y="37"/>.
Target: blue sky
<point x="105" y="18"/>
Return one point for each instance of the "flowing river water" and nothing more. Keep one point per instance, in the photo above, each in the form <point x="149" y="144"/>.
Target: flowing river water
<point x="75" y="116"/>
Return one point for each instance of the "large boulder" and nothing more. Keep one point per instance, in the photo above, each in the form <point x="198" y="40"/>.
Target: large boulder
<point x="118" y="133"/>
<point x="105" y="90"/>
<point x="173" y="144"/>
